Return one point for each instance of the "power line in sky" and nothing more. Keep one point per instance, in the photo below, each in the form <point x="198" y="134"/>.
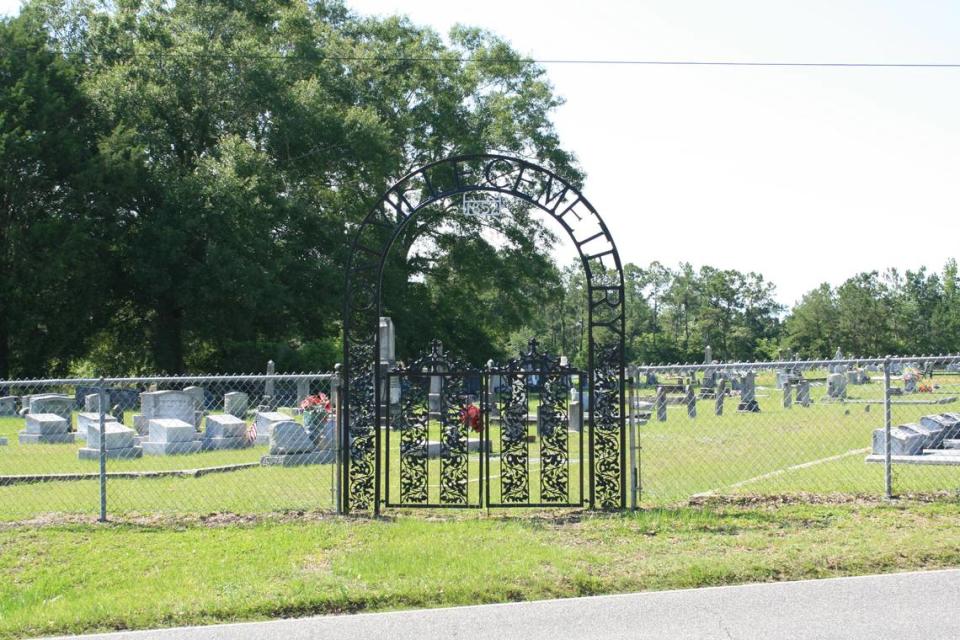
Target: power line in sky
<point x="541" y="61"/>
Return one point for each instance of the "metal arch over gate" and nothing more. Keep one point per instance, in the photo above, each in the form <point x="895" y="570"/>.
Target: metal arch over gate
<point x="362" y="377"/>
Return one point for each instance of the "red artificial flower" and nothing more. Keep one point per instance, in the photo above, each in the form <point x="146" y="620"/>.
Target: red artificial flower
<point x="314" y="402"/>
<point x="470" y="416"/>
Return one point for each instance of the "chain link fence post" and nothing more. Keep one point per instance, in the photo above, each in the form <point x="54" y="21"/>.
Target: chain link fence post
<point x="887" y="425"/>
<point x="338" y="458"/>
<point x="102" y="402"/>
<point x="632" y="426"/>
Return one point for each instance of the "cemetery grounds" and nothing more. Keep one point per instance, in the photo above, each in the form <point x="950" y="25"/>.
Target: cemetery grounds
<point x="781" y="494"/>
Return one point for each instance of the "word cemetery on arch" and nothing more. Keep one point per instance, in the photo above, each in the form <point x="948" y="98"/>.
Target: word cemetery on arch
<point x="531" y="432"/>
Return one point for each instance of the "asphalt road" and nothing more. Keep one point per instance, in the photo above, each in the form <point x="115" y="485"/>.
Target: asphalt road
<point x="902" y="606"/>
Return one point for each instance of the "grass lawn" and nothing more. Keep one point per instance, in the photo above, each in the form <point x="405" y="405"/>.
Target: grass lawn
<point x="82" y="577"/>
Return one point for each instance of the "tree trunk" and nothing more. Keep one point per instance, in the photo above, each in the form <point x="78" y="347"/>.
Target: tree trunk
<point x="168" y="339"/>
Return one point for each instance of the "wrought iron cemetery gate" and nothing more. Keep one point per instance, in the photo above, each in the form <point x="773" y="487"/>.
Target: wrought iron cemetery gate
<point x="513" y="438"/>
<point x="364" y="413"/>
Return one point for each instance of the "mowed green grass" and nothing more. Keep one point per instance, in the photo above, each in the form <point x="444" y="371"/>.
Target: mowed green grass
<point x="819" y="449"/>
<point x="72" y="578"/>
<point x="760" y="452"/>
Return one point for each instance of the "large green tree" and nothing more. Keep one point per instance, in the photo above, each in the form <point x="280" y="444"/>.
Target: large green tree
<point x="241" y="140"/>
<point x="52" y="295"/>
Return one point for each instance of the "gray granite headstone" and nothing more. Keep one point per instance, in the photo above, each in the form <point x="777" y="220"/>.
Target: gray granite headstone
<point x="236" y="404"/>
<point x="45" y="428"/>
<point x="169" y="436"/>
<point x="903" y="442"/>
<point x="660" y="403"/>
<point x="120" y="442"/>
<point x="748" y="393"/>
<point x="91" y="403"/>
<point x="803" y="393"/>
<point x="224" y="431"/>
<point x="175" y="405"/>
<point x="948" y="428"/>
<point x="289" y="437"/>
<point x="264" y="423"/>
<point x="8" y="406"/>
<point x="55" y="403"/>
<point x="721" y="395"/>
<point x="837" y="386"/>
<point x="85" y="420"/>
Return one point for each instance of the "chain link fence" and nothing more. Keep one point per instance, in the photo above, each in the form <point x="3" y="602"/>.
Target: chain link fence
<point x="125" y="447"/>
<point x="880" y="426"/>
<point x="168" y="445"/>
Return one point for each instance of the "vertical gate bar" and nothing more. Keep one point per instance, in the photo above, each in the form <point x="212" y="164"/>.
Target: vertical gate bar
<point x="485" y="456"/>
<point x="887" y="424"/>
<point x="483" y="446"/>
<point x="593" y="409"/>
<point x="377" y="389"/>
<point x="102" y="397"/>
<point x="631" y="425"/>
<point x="386" y="448"/>
<point x="582" y="427"/>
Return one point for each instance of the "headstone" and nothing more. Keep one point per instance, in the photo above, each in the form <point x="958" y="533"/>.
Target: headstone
<point x="651" y="379"/>
<point x="120" y="442"/>
<point x="224" y="431"/>
<point x="933" y="435"/>
<point x="55" y="403"/>
<point x="198" y="395"/>
<point x="948" y="425"/>
<point x="661" y="404"/>
<point x="91" y="403"/>
<point x="748" y="393"/>
<point x="838" y="368"/>
<point x="388" y="359"/>
<point x="264" y="423"/>
<point x="170" y="436"/>
<point x="303" y="390"/>
<point x="269" y="386"/>
<point x="290" y="445"/>
<point x="8" y="406"/>
<point x="175" y="405"/>
<point x="85" y="420"/>
<point x="803" y="393"/>
<point x="903" y="442"/>
<point x="708" y="355"/>
<point x="721" y="395"/>
<point x="235" y="403"/>
<point x="388" y="346"/>
<point x="691" y="401"/>
<point x="46" y="428"/>
<point x="433" y="398"/>
<point x="787" y="396"/>
<point x="837" y="386"/>
<point x="573" y="411"/>
<point x="493" y="383"/>
<point x="910" y="384"/>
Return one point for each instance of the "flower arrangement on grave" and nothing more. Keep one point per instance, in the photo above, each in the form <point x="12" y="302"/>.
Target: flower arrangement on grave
<point x="925" y="388"/>
<point x="316" y="411"/>
<point x="470" y="417"/>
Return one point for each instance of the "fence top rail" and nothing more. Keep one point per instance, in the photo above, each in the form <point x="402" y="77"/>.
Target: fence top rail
<point x="171" y="379"/>
<point x="806" y="364"/>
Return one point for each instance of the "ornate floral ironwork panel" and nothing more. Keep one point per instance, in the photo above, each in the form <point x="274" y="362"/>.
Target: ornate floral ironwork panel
<point x="514" y="453"/>
<point x="554" y="437"/>
<point x="453" y="443"/>
<point x="607" y="427"/>
<point x="412" y="422"/>
<point x="362" y="428"/>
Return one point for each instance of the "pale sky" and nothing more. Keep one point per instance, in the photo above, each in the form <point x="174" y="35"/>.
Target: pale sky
<point x="804" y="175"/>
